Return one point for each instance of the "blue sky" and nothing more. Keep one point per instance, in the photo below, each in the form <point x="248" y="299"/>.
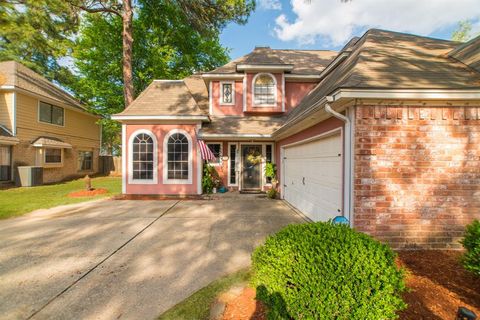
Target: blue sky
<point x="328" y="24"/>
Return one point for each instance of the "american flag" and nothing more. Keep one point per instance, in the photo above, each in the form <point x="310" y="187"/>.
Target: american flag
<point x="207" y="154"/>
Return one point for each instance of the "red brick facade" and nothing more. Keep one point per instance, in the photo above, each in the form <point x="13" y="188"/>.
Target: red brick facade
<point x="417" y="173"/>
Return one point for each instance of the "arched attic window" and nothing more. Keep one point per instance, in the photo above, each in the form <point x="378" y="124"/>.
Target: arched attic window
<point x="264" y="89"/>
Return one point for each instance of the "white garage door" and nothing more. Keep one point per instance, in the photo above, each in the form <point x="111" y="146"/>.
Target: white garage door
<point x="313" y="177"/>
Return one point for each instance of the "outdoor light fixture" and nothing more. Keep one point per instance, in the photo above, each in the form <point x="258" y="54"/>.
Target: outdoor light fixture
<point x="225" y="158"/>
<point x="465" y="314"/>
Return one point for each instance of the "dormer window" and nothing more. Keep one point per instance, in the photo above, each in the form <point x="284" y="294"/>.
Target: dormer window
<point x="227" y="93"/>
<point x="264" y="89"/>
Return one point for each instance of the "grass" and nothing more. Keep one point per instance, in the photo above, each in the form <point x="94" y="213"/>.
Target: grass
<point x="18" y="201"/>
<point x="197" y="306"/>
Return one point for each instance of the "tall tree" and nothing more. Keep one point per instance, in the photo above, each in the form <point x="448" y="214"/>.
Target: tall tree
<point x="204" y="15"/>
<point x="167" y="46"/>
<point x="38" y="33"/>
<point x="463" y="31"/>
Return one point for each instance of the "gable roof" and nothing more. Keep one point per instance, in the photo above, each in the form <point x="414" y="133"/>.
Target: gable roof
<point x="468" y="53"/>
<point x="305" y="62"/>
<point x="187" y="97"/>
<point x="15" y="74"/>
<point x="390" y="60"/>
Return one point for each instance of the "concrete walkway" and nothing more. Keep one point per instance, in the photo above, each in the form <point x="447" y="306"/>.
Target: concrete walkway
<point x="127" y="259"/>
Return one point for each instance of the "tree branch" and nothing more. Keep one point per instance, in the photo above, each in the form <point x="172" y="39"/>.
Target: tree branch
<point x="102" y="9"/>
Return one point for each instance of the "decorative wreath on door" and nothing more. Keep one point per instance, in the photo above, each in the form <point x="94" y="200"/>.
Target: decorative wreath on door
<point x="254" y="157"/>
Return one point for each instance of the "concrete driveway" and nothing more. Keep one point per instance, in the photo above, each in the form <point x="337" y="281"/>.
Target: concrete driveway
<point x="127" y="259"/>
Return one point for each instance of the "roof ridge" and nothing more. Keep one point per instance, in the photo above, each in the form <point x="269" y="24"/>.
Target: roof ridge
<point x="372" y="30"/>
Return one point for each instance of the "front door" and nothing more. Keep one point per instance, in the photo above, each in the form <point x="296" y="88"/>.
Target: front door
<point x="252" y="162"/>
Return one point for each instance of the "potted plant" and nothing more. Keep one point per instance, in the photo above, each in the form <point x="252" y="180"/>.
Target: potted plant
<point x="271" y="172"/>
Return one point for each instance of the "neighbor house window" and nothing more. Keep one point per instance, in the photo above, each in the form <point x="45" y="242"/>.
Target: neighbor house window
<point x="143" y="157"/>
<point x="268" y="158"/>
<point x="53" y="155"/>
<point x="233" y="163"/>
<point x="85" y="160"/>
<point x="51" y="114"/>
<point x="216" y="149"/>
<point x="227" y="93"/>
<point x="178" y="158"/>
<point x="264" y="89"/>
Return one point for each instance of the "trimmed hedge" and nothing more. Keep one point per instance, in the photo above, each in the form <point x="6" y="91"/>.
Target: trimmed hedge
<point x="471" y="243"/>
<point x="326" y="271"/>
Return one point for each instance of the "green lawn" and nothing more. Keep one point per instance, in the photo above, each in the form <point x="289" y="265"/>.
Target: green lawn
<point x="18" y="201"/>
<point x="197" y="306"/>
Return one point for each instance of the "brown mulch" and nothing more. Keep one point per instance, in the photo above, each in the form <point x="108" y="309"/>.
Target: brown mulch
<point x="245" y="307"/>
<point x="87" y="193"/>
<point x="437" y="284"/>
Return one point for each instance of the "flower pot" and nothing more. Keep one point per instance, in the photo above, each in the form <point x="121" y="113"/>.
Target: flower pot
<point x="214" y="190"/>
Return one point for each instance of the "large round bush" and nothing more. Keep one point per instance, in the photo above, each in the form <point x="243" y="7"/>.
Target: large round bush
<point x="471" y="243"/>
<point x="326" y="271"/>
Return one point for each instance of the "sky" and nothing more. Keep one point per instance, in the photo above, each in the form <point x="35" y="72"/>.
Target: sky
<point x="329" y="24"/>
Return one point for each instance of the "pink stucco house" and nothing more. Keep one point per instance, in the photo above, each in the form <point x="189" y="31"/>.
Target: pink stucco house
<point x="385" y="132"/>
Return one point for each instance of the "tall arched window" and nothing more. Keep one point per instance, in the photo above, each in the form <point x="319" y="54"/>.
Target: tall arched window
<point x="143" y="157"/>
<point x="178" y="164"/>
<point x="264" y="89"/>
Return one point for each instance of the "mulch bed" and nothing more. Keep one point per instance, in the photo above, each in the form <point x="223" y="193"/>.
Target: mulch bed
<point x="87" y="193"/>
<point x="437" y="284"/>
<point x="245" y="307"/>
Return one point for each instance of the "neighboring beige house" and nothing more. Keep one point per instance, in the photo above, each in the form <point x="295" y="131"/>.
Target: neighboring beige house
<point x="42" y="125"/>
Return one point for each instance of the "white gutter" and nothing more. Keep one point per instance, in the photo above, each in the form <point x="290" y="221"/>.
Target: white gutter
<point x="229" y="76"/>
<point x="235" y="135"/>
<point x="412" y="94"/>
<point x="145" y="117"/>
<point x="347" y="180"/>
<point x="269" y="67"/>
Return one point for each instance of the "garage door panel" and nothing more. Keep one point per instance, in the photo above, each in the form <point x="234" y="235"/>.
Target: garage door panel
<point x="313" y="177"/>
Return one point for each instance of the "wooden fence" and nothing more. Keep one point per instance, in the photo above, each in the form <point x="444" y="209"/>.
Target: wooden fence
<point x="110" y="165"/>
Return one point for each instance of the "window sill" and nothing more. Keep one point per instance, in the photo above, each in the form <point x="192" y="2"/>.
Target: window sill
<point x="135" y="181"/>
<point x="227" y="104"/>
<point x="177" y="181"/>
<point x="52" y="165"/>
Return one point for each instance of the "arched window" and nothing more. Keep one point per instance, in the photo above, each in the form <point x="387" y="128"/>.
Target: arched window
<point x="178" y="166"/>
<point x="143" y="157"/>
<point x="264" y="89"/>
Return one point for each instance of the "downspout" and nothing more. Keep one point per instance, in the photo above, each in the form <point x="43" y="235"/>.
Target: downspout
<point x="347" y="186"/>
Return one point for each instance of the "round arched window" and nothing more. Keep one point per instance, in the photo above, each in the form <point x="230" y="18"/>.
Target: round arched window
<point x="264" y="90"/>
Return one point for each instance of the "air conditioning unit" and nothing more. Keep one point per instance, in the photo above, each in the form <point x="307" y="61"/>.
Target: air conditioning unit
<point x="29" y="176"/>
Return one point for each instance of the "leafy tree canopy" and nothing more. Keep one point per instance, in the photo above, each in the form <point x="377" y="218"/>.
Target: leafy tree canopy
<point x="172" y="39"/>
<point x="463" y="33"/>
<point x="38" y="33"/>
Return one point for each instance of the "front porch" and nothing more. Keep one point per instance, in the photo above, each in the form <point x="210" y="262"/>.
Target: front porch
<point x="241" y="164"/>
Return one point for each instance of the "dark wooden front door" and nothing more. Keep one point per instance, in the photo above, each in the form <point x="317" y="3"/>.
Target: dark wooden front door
<point x="251" y="174"/>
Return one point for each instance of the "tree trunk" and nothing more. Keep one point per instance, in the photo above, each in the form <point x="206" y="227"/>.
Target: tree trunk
<point x="127" y="36"/>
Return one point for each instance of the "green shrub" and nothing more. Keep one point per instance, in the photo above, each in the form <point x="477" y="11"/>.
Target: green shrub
<point x="208" y="178"/>
<point x="471" y="243"/>
<point x="272" y="193"/>
<point x="326" y="271"/>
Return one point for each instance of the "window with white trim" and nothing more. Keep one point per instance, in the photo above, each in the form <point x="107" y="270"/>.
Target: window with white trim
<point x="53" y="155"/>
<point x="264" y="89"/>
<point x="268" y="159"/>
<point x="51" y="114"/>
<point x="142" y="157"/>
<point x="227" y="92"/>
<point x="178" y="157"/>
<point x="216" y="149"/>
<point x="85" y="160"/>
<point x="233" y="164"/>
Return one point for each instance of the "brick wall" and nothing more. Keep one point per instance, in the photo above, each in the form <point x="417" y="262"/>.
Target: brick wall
<point x="417" y="174"/>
